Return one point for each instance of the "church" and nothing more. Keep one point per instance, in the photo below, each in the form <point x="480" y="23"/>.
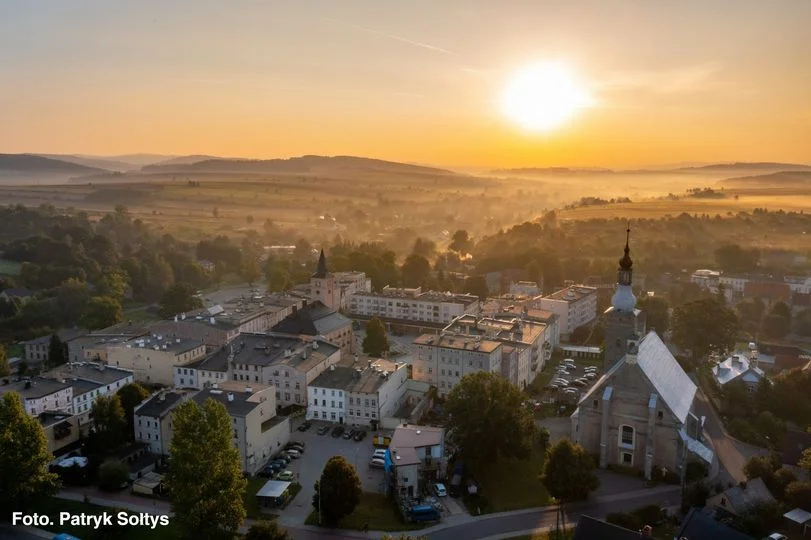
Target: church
<point x="640" y="413"/>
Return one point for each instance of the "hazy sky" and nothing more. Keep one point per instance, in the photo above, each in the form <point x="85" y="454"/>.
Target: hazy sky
<point x="417" y="80"/>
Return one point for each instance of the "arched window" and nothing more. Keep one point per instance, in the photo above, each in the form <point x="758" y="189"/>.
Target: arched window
<point x="627" y="436"/>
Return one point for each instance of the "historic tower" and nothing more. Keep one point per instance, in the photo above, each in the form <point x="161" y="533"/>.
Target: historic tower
<point x="324" y="286"/>
<point x="623" y="322"/>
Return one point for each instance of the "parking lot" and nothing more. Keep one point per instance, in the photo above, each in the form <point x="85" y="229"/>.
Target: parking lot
<point x="319" y="449"/>
<point x="579" y="376"/>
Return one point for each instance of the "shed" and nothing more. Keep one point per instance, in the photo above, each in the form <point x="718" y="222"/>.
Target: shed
<point x="273" y="494"/>
<point x="149" y="484"/>
<point x="799" y="520"/>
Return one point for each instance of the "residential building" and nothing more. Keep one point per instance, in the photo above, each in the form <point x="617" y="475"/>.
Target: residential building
<point x="247" y="314"/>
<point x="528" y="288"/>
<point x="418" y="458"/>
<point x="39" y="394"/>
<point x="20" y="294"/>
<point x="442" y="360"/>
<point x="526" y="341"/>
<point x="795" y="442"/>
<point x="640" y="413"/>
<point x="358" y="394"/>
<point x="406" y="305"/>
<point x="153" y="359"/>
<point x="209" y="331"/>
<point x="335" y="289"/>
<point x="89" y="381"/>
<point x="93" y="346"/>
<point x="576" y="306"/>
<point x="318" y="320"/>
<point x="290" y="363"/>
<point x="706" y="279"/>
<point x="152" y="420"/>
<point x="258" y="431"/>
<point x="624" y="323"/>
<point x="799" y="284"/>
<point x="733" y="282"/>
<point x="739" y="367"/>
<point x="699" y="523"/>
<point x="542" y="316"/>
<point x="738" y="500"/>
<point x="38" y="350"/>
<point x="204" y="373"/>
<point x="61" y="431"/>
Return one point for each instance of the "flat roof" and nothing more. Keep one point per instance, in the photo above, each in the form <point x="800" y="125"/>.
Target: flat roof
<point x="52" y="418"/>
<point x="417" y="294"/>
<point x="164" y="343"/>
<point x="468" y="343"/>
<point x="412" y="436"/>
<point x="363" y="379"/>
<point x="39" y="388"/>
<point x="273" y="488"/>
<point x="572" y="293"/>
<point x="269" y="350"/>
<point x="89" y="371"/>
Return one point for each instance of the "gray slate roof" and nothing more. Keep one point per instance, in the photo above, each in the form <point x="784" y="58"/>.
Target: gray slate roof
<point x="755" y="493"/>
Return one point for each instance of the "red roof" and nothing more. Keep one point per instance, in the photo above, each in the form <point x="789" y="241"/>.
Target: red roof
<point x="775" y="291"/>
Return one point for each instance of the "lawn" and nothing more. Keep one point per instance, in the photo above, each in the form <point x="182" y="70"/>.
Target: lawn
<point x="509" y="484"/>
<point x="374" y="510"/>
<point x="53" y="506"/>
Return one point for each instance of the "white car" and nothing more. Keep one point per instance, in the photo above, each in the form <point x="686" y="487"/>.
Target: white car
<point x="590" y="375"/>
<point x="379" y="453"/>
<point x="590" y="369"/>
<point x="570" y="391"/>
<point x="579" y="382"/>
<point x="440" y="491"/>
<point x="377" y="463"/>
<point x="560" y="382"/>
<point x="295" y="454"/>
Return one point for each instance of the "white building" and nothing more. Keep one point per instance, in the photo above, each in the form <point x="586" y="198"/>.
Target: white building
<point x="89" y="381"/>
<point x="361" y="394"/>
<point x="706" y="279"/>
<point x="403" y="304"/>
<point x="442" y="360"/>
<point x="799" y="284"/>
<point x="153" y="359"/>
<point x="40" y="394"/>
<point x="335" y="289"/>
<point x="152" y="420"/>
<point x="739" y="366"/>
<point x="733" y="282"/>
<point x="528" y="288"/>
<point x="204" y="373"/>
<point x="418" y="458"/>
<point x="576" y="306"/>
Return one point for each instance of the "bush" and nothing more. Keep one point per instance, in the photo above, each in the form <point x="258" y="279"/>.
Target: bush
<point x="649" y="515"/>
<point x="628" y="521"/>
<point x="113" y="474"/>
<point x="744" y="431"/>
<point x="694" y="495"/>
<point x="696" y="470"/>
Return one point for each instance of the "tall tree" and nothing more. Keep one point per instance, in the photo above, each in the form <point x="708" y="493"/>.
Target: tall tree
<point x="704" y="326"/>
<point x="376" y="341"/>
<point x="778" y="322"/>
<point x="477" y="285"/>
<point x="179" y="298"/>
<point x="101" y="312"/>
<point x="303" y="251"/>
<point x="266" y="530"/>
<point x="205" y="479"/>
<point x="798" y="495"/>
<point x="657" y="313"/>
<point x="568" y="474"/>
<point x="488" y="419"/>
<point x="415" y="270"/>
<point x="337" y="492"/>
<point x="24" y="457"/>
<point x="112" y="283"/>
<point x="131" y="395"/>
<point x="57" y="355"/>
<point x="250" y="270"/>
<point x="72" y="297"/>
<point x="277" y="276"/>
<point x="802" y="323"/>
<point x="805" y="460"/>
<point x="5" y="369"/>
<point x="461" y="242"/>
<point x="733" y="258"/>
<point x="424" y="247"/>
<point x="109" y="425"/>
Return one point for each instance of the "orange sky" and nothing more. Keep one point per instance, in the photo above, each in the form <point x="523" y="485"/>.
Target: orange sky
<point x="417" y="81"/>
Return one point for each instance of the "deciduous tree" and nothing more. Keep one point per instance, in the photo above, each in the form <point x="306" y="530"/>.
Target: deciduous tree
<point x="101" y="311"/>
<point x="130" y="396"/>
<point x="205" y="479"/>
<point x="657" y="313"/>
<point x="113" y="474"/>
<point x="72" y="297"/>
<point x="704" y="326"/>
<point x="488" y="419"/>
<point x="109" y="425"/>
<point x="415" y="270"/>
<point x="57" y="355"/>
<point x="461" y="242"/>
<point x="24" y="456"/>
<point x="179" y="298"/>
<point x="337" y="492"/>
<point x="477" y="286"/>
<point x="798" y="495"/>
<point x="376" y="341"/>
<point x="5" y="369"/>
<point x="267" y="530"/>
<point x="568" y="474"/>
<point x="424" y="247"/>
<point x="250" y="270"/>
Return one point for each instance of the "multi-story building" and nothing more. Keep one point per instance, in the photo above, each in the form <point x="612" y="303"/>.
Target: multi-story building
<point x="61" y="431"/>
<point x="442" y="360"/>
<point x="152" y="420"/>
<point x="359" y="394"/>
<point x="204" y="373"/>
<point x="335" y="289"/>
<point x="576" y="306"/>
<point x="316" y="320"/>
<point x="402" y="304"/>
<point x="209" y="331"/>
<point x="799" y="284"/>
<point x="38" y="350"/>
<point x="89" y="381"/>
<point x="733" y="282"/>
<point x="418" y="458"/>
<point x="526" y="349"/>
<point x="527" y="288"/>
<point x="706" y="279"/>
<point x="39" y="394"/>
<point x="258" y="431"/>
<point x="246" y="314"/>
<point x="289" y="363"/>
<point x="153" y="359"/>
<point x="739" y="366"/>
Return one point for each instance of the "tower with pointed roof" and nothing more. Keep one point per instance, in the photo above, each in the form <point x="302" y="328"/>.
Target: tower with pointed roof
<point x="324" y="286"/>
<point x="624" y="323"/>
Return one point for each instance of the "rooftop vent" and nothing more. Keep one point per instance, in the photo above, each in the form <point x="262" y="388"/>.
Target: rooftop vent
<point x="332" y="368"/>
<point x="230" y="396"/>
<point x="248" y="390"/>
<point x="177" y="340"/>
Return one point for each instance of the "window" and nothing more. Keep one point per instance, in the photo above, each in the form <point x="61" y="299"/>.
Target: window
<point x="287" y="396"/>
<point x="332" y="403"/>
<point x="256" y="378"/>
<point x="595" y="403"/>
<point x="626" y="436"/>
<point x="323" y="402"/>
<point x="660" y="415"/>
<point x="374" y="402"/>
<point x="627" y="458"/>
<point x="315" y="402"/>
<point x="366" y="403"/>
<point x="332" y="416"/>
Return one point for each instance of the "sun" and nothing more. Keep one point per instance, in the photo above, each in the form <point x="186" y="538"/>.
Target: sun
<point x="544" y="96"/>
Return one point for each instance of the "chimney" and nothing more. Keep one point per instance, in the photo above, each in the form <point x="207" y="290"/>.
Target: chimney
<point x="230" y="396"/>
<point x="212" y="321"/>
<point x="162" y="397"/>
<point x="215" y="385"/>
<point x="248" y="390"/>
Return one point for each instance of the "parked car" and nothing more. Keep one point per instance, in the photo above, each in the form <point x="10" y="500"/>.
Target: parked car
<point x="349" y="434"/>
<point x="323" y="430"/>
<point x="266" y="472"/>
<point x="590" y="375"/>
<point x="570" y="390"/>
<point x="560" y="382"/>
<point x="337" y="431"/>
<point x="287" y="476"/>
<point x="295" y="454"/>
<point x="377" y="463"/>
<point x="579" y="382"/>
<point x="379" y="453"/>
<point x="283" y="458"/>
<point x="295" y="444"/>
<point x="360" y="435"/>
<point x="440" y="491"/>
<point x="590" y="369"/>
<point x="305" y="426"/>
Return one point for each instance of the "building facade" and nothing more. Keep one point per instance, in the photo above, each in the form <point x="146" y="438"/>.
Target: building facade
<point x="153" y="359"/>
<point x="335" y="289"/>
<point x="442" y="360"/>
<point x="402" y="304"/>
<point x="152" y="420"/>
<point x="575" y="305"/>
<point x="418" y="458"/>
<point x="316" y="320"/>
<point x="89" y="381"/>
<point x="39" y="394"/>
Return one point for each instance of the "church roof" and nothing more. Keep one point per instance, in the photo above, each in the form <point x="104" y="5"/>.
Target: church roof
<point x="665" y="374"/>
<point x="321" y="271"/>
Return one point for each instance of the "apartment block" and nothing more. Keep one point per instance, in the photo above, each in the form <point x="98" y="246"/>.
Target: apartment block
<point x="406" y="304"/>
<point x="442" y="360"/>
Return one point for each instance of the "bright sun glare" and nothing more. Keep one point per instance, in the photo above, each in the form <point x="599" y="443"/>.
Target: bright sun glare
<point x="544" y="96"/>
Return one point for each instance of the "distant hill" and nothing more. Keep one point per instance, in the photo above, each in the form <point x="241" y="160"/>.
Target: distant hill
<point x="303" y="164"/>
<point x="24" y="164"/>
<point x="96" y="162"/>
<point x="538" y="171"/>
<point x="183" y="160"/>
<point x="778" y="179"/>
<point x="756" y="166"/>
<point x="138" y="160"/>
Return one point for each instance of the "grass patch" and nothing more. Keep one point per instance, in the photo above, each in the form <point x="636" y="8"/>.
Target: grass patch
<point x="140" y="314"/>
<point x="16" y="350"/>
<point x="53" y="506"/>
<point x="508" y="484"/>
<point x="10" y="268"/>
<point x="374" y="510"/>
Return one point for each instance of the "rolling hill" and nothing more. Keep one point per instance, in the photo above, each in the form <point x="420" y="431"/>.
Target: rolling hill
<point x="30" y="164"/>
<point x="800" y="178"/>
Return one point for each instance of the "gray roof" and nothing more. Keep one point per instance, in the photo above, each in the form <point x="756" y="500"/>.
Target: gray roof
<point x="216" y="361"/>
<point x="698" y="524"/>
<point x="90" y="372"/>
<point x="39" y="388"/>
<point x="349" y="379"/>
<point x="155" y="407"/>
<point x="240" y="406"/>
<point x="755" y="493"/>
<point x="312" y="320"/>
<point x="664" y="373"/>
<point x="267" y="350"/>
<point x="589" y="528"/>
<point x="412" y="436"/>
<point x="82" y="387"/>
<point x="273" y="489"/>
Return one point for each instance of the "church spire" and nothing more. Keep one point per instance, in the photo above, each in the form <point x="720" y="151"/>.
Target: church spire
<point x="626" y="263"/>
<point x="623" y="299"/>
<point x="321" y="271"/>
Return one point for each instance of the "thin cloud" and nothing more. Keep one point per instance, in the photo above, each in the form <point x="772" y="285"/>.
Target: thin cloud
<point x="678" y="80"/>
<point x="393" y="37"/>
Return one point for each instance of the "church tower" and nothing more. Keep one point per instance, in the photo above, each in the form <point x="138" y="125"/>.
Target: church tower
<point x="623" y="322"/>
<point x="323" y="285"/>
